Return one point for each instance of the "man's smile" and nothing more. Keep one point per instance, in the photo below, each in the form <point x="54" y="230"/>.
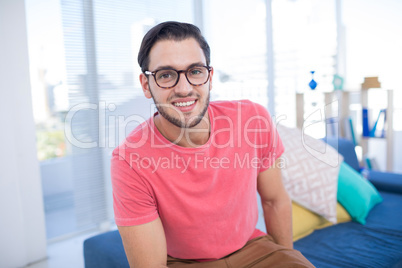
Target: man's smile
<point x="183" y="104"/>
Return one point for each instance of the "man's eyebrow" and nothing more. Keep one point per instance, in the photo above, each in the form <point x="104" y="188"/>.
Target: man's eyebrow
<point x="196" y="64"/>
<point x="163" y="67"/>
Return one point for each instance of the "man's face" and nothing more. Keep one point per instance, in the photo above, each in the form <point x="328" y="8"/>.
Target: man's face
<point x="184" y="105"/>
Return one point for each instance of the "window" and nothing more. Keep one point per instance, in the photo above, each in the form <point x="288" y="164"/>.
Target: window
<point x="236" y="32"/>
<point x="86" y="98"/>
<point x="305" y="40"/>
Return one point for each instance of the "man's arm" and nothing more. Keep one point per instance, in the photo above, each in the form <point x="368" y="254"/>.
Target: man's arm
<point x="277" y="205"/>
<point x="145" y="244"/>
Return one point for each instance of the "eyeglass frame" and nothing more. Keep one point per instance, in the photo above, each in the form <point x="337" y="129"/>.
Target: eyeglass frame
<point x="209" y="68"/>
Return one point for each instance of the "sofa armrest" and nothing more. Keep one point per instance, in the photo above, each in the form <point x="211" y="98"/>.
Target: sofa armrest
<point x="347" y="149"/>
<point x="104" y="251"/>
<point x="385" y="181"/>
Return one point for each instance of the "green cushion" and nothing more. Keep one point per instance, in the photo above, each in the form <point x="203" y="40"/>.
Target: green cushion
<point x="356" y="194"/>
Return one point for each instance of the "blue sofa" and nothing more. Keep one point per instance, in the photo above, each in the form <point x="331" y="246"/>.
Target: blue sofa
<point x="376" y="244"/>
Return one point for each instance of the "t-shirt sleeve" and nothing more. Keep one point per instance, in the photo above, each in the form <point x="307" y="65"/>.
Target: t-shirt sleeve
<point x="270" y="144"/>
<point x="133" y="199"/>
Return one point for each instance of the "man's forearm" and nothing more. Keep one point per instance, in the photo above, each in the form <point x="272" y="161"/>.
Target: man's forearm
<point x="278" y="221"/>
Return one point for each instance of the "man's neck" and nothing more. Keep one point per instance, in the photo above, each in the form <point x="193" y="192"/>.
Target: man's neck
<point x="185" y="137"/>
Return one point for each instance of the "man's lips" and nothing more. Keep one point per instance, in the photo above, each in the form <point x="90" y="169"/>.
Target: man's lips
<point x="186" y="102"/>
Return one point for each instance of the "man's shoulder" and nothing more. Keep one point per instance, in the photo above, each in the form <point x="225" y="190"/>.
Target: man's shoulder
<point x="136" y="139"/>
<point x="245" y="106"/>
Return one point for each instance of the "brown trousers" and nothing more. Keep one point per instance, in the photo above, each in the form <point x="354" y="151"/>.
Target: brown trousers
<point x="260" y="252"/>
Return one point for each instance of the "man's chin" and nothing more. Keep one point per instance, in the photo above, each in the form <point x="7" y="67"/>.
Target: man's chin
<point x="189" y="123"/>
<point x="183" y="120"/>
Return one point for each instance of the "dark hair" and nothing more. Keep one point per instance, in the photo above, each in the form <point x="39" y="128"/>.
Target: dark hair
<point x="170" y="30"/>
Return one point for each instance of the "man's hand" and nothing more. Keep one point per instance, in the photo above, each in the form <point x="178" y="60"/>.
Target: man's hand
<point x="145" y="244"/>
<point x="277" y="205"/>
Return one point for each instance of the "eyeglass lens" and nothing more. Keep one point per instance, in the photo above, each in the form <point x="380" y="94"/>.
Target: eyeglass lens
<point x="195" y="76"/>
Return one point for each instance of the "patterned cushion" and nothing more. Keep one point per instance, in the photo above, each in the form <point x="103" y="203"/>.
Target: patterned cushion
<point x="310" y="172"/>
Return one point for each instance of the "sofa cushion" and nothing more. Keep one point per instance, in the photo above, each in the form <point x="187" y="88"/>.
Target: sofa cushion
<point x="378" y="243"/>
<point x="386" y="181"/>
<point x="356" y="194"/>
<point x="341" y="214"/>
<point x="104" y="251"/>
<point x="310" y="172"/>
<point x="347" y="149"/>
<point x="305" y="221"/>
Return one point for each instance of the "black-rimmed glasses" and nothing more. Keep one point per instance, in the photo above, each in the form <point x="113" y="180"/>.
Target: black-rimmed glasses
<point x="168" y="78"/>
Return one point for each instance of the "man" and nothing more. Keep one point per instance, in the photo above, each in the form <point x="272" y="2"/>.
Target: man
<point x="185" y="181"/>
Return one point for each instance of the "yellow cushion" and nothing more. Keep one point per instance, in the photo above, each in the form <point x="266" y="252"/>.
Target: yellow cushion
<point x="341" y="214"/>
<point x="305" y="221"/>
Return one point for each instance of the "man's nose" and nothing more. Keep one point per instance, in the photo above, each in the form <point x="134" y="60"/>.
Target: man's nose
<point x="183" y="86"/>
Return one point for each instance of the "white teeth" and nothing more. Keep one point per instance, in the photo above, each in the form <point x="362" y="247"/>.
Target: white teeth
<point x="183" y="104"/>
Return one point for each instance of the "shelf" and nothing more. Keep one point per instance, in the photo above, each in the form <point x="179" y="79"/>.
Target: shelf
<point x="341" y="110"/>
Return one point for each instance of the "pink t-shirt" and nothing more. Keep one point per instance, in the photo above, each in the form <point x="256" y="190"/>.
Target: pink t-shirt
<point x="205" y="196"/>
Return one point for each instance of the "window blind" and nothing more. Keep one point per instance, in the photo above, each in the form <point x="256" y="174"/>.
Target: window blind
<point x="105" y="100"/>
<point x="101" y="40"/>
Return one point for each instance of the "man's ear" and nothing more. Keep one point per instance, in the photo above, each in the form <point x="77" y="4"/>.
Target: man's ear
<point x="211" y="74"/>
<point x="145" y="86"/>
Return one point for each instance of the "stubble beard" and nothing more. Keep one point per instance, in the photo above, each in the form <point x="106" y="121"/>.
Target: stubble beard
<point x="191" y="122"/>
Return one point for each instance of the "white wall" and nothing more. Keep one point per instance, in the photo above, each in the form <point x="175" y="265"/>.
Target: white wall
<point x="22" y="225"/>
